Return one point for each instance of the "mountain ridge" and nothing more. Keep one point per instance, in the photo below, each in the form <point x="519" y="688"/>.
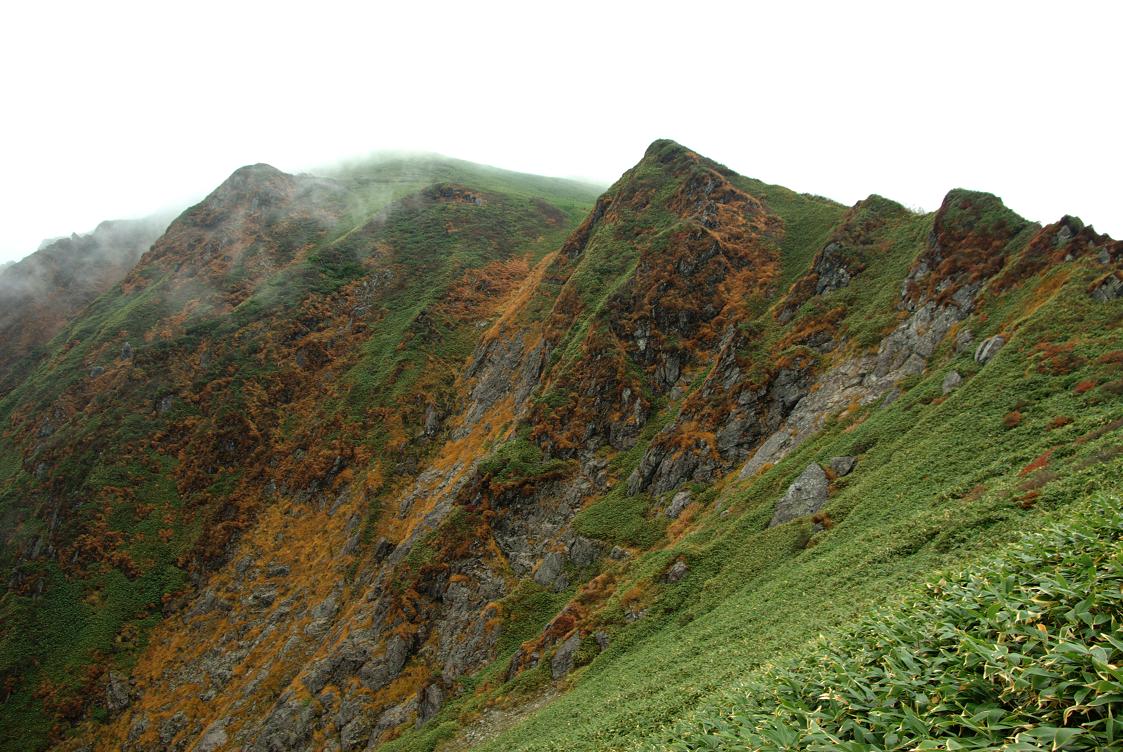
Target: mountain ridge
<point x="383" y="458"/>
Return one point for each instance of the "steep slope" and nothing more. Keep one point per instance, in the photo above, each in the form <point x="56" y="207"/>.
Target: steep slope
<point x="249" y="356"/>
<point x="43" y="292"/>
<point x="434" y="467"/>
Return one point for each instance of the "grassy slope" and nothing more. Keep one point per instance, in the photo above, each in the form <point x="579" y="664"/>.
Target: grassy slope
<point x="1020" y="651"/>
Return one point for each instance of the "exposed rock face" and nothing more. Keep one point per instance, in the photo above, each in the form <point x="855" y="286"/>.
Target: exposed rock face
<point x="549" y="572"/>
<point x="118" y="693"/>
<point x="213" y="738"/>
<point x="806" y="495"/>
<point x="988" y="348"/>
<point x="741" y="412"/>
<point x="432" y="698"/>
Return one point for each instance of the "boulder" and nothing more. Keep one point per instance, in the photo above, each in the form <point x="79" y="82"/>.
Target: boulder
<point x="963" y="340"/>
<point x="562" y="662"/>
<point x="677" y="571"/>
<point x="170" y="727"/>
<point x="806" y="495"/>
<point x="842" y="465"/>
<point x="951" y="382"/>
<point x="680" y="501"/>
<point x="988" y="348"/>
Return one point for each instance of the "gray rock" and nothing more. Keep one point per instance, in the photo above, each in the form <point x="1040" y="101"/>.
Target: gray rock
<point x="382" y="549"/>
<point x="832" y="274"/>
<point x="584" y="552"/>
<point x="842" y="465"/>
<point x="261" y="597"/>
<point x="549" y="572"/>
<point x="96" y="371"/>
<point x="356" y="733"/>
<point x="963" y="340"/>
<point x="118" y="692"/>
<point x="138" y="728"/>
<point x="618" y="554"/>
<point x="165" y="404"/>
<point x="322" y="614"/>
<point x="1108" y="289"/>
<point x="287" y="728"/>
<point x="432" y="420"/>
<point x="602" y="640"/>
<point x="806" y="495"/>
<point x="276" y="570"/>
<point x="126" y="351"/>
<point x="397" y="715"/>
<point x="213" y="738"/>
<point x="677" y="571"/>
<point x="172" y="726"/>
<point x="951" y="382"/>
<point x="378" y="672"/>
<point x="988" y="348"/>
<point x="562" y="662"/>
<point x="680" y="502"/>
<point x="430" y="702"/>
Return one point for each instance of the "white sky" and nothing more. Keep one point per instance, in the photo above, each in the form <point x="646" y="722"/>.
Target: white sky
<point x="115" y="109"/>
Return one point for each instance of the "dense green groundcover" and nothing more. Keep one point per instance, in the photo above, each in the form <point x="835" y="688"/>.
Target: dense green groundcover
<point x="1024" y="652"/>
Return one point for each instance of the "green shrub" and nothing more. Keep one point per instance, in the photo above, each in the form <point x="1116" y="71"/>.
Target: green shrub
<point x="1021" y="653"/>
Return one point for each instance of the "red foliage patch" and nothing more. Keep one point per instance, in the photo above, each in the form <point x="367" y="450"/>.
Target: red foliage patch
<point x="1057" y="359"/>
<point x="1037" y="464"/>
<point x="1084" y="386"/>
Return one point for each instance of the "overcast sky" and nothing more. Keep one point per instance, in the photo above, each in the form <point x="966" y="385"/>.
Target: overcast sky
<point x="119" y="109"/>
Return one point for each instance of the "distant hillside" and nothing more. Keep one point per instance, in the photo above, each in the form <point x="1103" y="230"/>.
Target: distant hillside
<point x="43" y="292"/>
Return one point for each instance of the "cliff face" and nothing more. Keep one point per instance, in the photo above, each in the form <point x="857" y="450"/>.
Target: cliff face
<point x="42" y="293"/>
<point x="374" y="460"/>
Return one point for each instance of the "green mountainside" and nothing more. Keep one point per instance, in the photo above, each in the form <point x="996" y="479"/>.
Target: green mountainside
<point x="424" y="455"/>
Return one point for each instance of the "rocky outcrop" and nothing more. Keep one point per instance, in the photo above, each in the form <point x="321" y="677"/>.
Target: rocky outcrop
<point x="1108" y="288"/>
<point x="562" y="662"/>
<point x="740" y="414"/>
<point x="806" y="495"/>
<point x="988" y="348"/>
<point x="118" y="692"/>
